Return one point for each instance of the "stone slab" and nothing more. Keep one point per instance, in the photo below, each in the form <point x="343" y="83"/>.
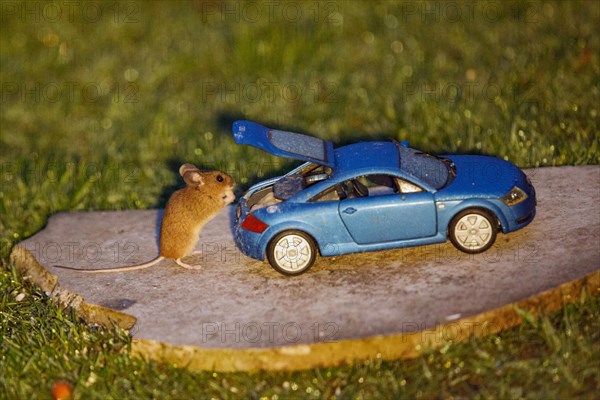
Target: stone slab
<point x="235" y="302"/>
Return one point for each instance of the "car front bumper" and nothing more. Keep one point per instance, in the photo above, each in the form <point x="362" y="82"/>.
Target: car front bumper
<point x="523" y="213"/>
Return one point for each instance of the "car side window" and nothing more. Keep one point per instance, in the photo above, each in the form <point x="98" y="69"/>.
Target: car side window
<point x="341" y="191"/>
<point x="375" y="185"/>
<point x="367" y="186"/>
<point x="407" y="187"/>
<point x="331" y="194"/>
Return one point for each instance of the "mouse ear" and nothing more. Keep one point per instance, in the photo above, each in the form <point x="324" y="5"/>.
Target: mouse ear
<point x="187" y="167"/>
<point x="193" y="178"/>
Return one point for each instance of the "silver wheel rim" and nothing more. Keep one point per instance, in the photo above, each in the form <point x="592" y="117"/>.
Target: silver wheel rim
<point x="473" y="231"/>
<point x="292" y="253"/>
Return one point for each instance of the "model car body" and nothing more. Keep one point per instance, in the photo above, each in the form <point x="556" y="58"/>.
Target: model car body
<point x="373" y="196"/>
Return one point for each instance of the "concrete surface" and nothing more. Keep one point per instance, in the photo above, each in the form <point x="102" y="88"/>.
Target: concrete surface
<point x="237" y="302"/>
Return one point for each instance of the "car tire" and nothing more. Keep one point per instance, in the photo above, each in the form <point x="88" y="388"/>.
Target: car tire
<point x="292" y="252"/>
<point x="473" y="230"/>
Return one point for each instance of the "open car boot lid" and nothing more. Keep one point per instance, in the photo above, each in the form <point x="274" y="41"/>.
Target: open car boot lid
<point x="284" y="144"/>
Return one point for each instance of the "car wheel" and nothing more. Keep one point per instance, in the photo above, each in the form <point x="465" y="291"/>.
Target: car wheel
<point x="473" y="231"/>
<point x="292" y="252"/>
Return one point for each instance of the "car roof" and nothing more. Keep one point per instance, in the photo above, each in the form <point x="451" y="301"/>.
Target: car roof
<point x="370" y="157"/>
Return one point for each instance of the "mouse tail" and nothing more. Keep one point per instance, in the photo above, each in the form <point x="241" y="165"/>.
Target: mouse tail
<point x="120" y="269"/>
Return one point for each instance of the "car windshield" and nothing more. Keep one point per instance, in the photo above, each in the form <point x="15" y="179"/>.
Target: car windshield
<point x="435" y="171"/>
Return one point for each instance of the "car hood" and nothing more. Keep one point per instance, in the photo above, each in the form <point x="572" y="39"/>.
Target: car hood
<point x="480" y="176"/>
<point x="283" y="143"/>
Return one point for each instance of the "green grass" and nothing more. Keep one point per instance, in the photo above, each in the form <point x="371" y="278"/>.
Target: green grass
<point x="101" y="104"/>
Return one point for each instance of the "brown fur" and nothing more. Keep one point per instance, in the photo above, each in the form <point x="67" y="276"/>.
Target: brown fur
<point x="189" y="209"/>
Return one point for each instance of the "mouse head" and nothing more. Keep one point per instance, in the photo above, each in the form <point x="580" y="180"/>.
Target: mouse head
<point x="213" y="182"/>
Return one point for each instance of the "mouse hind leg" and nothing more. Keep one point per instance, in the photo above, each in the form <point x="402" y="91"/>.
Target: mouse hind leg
<point x="187" y="266"/>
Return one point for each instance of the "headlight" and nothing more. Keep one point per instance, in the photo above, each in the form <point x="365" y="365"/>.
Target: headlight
<point x="515" y="196"/>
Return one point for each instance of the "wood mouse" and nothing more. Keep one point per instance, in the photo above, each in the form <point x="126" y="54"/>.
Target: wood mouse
<point x="187" y="212"/>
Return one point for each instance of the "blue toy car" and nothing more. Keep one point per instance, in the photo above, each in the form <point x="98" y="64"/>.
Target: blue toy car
<point x="373" y="196"/>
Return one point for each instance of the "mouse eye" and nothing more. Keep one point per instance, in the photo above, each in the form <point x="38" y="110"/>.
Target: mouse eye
<point x="219" y="178"/>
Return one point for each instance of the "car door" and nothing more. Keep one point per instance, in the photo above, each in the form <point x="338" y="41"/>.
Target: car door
<point x="386" y="217"/>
